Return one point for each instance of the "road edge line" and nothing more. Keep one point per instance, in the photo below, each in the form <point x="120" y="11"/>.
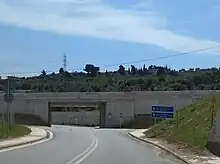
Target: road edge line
<point x="159" y="146"/>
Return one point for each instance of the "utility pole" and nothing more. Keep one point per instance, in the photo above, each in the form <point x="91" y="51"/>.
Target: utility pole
<point x="120" y="119"/>
<point x="8" y="107"/>
<point x="8" y="98"/>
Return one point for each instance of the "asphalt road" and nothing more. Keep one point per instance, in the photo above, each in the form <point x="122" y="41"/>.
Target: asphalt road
<point x="80" y="145"/>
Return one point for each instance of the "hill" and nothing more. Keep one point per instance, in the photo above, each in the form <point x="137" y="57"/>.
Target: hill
<point x="194" y="125"/>
<point x="152" y="78"/>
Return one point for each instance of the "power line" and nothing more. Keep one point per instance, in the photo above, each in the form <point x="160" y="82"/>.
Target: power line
<point x="124" y="63"/>
<point x="157" y="58"/>
<point x="162" y="57"/>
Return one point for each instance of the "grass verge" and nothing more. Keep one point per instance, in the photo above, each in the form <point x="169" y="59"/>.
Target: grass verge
<point x="12" y="131"/>
<point x="194" y="125"/>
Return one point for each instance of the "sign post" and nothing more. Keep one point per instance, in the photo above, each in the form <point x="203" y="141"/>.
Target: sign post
<point x="109" y="115"/>
<point x="76" y="120"/>
<point x="120" y="119"/>
<point x="165" y="112"/>
<point x="70" y="120"/>
<point x="109" y="118"/>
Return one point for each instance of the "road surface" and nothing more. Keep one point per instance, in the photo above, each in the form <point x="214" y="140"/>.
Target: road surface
<point x="81" y="145"/>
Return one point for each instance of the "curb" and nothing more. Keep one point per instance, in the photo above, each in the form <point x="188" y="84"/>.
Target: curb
<point x="161" y="147"/>
<point x="25" y="143"/>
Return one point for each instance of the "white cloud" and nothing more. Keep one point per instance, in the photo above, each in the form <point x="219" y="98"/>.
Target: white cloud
<point x="97" y="19"/>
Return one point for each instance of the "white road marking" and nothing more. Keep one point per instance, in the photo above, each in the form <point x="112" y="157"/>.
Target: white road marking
<point x="88" y="153"/>
<point x="30" y="144"/>
<point x="82" y="156"/>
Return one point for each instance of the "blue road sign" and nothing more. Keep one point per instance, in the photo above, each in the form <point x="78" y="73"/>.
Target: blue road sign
<point x="157" y="108"/>
<point x="162" y="115"/>
<point x="162" y="111"/>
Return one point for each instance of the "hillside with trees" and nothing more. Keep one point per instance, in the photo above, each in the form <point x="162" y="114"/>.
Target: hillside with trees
<point x="147" y="78"/>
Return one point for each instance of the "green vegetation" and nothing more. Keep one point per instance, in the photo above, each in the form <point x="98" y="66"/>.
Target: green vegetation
<point x="195" y="124"/>
<point x="152" y="78"/>
<point x="12" y="131"/>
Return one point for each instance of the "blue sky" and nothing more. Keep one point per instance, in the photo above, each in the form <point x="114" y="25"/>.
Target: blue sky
<point x="34" y="34"/>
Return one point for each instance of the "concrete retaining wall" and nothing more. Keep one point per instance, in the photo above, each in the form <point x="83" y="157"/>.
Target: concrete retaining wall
<point x="126" y="107"/>
<point x="127" y="103"/>
<point x="26" y="106"/>
<point x="79" y="118"/>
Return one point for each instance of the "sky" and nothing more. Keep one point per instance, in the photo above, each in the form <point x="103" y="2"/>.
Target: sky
<point x="35" y="34"/>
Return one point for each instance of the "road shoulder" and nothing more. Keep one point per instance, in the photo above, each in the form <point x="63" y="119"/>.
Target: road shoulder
<point x="187" y="157"/>
<point x="36" y="135"/>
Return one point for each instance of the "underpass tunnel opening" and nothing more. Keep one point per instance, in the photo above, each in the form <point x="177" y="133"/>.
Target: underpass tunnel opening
<point x="78" y="113"/>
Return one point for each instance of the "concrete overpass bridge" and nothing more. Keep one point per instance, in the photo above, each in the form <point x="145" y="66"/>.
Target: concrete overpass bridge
<point x="129" y="104"/>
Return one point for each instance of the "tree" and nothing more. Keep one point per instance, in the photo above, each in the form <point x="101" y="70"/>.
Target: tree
<point x="106" y="73"/>
<point x="121" y="70"/>
<point x="191" y="70"/>
<point x="182" y="70"/>
<point x="129" y="71"/>
<point x="197" y="69"/>
<point x="61" y="70"/>
<point x="43" y="73"/>
<point x="140" y="71"/>
<point x="144" y="68"/>
<point x="67" y="74"/>
<point x="160" y="71"/>
<point x="88" y="68"/>
<point x="133" y="70"/>
<point x="91" y="69"/>
<point x="118" y="80"/>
